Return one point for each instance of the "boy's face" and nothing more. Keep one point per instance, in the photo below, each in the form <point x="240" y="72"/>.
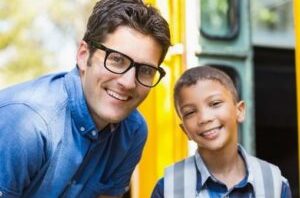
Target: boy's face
<point x="209" y="114"/>
<point x="111" y="97"/>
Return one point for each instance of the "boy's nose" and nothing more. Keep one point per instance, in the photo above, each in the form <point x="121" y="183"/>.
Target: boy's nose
<point x="127" y="80"/>
<point x="204" y="117"/>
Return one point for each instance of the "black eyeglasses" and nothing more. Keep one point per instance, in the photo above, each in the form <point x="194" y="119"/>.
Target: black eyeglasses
<point x="119" y="63"/>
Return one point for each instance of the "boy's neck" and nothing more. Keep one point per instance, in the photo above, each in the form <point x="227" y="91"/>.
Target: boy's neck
<point x="226" y="165"/>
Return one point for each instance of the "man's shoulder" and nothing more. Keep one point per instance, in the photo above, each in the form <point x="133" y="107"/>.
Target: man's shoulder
<point x="41" y="90"/>
<point x="135" y="118"/>
<point x="34" y="89"/>
<point x="42" y="96"/>
<point x="135" y="125"/>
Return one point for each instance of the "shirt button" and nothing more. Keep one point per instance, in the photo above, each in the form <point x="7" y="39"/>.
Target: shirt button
<point x="82" y="128"/>
<point x="126" y="188"/>
<point x="94" y="133"/>
<point x="73" y="182"/>
<point x="1" y="193"/>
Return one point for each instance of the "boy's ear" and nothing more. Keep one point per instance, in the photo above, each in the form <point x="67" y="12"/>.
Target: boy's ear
<point x="241" y="110"/>
<point x="183" y="129"/>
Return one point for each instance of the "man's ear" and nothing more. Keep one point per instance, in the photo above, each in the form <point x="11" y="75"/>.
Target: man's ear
<point x="82" y="55"/>
<point x="241" y="110"/>
<point x="186" y="133"/>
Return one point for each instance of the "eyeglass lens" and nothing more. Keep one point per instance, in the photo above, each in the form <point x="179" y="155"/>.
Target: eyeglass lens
<point x="118" y="63"/>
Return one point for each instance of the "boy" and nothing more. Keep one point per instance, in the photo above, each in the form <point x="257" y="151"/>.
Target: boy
<point x="207" y="103"/>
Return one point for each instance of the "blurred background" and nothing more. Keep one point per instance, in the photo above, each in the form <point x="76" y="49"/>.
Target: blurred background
<point x="253" y="41"/>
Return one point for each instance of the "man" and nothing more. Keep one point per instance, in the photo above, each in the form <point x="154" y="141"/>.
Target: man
<point x="78" y="134"/>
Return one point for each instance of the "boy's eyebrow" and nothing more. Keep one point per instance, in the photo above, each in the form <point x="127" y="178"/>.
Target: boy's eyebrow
<point x="214" y="95"/>
<point x="189" y="105"/>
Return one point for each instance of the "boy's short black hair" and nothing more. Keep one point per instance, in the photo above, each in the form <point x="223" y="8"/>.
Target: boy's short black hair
<point x="108" y="15"/>
<point x="192" y="75"/>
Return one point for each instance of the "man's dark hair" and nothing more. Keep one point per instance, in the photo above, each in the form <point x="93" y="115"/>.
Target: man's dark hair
<point x="194" y="74"/>
<point x="107" y="15"/>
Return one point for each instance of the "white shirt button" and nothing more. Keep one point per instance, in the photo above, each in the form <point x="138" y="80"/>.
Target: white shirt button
<point x="82" y="128"/>
<point x="126" y="188"/>
<point x="73" y="182"/>
<point x="94" y="133"/>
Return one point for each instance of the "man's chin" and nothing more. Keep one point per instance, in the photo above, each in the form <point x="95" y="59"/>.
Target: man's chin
<point x="116" y="118"/>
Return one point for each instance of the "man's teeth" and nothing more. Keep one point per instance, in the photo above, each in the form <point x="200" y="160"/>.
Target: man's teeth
<point x="117" y="96"/>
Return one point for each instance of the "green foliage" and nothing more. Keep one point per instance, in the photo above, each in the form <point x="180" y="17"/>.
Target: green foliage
<point x="23" y="58"/>
<point x="214" y="16"/>
<point x="71" y="14"/>
<point x="269" y="17"/>
<point x="23" y="50"/>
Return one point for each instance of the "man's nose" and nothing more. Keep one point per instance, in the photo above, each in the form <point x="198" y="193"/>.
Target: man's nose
<point x="127" y="80"/>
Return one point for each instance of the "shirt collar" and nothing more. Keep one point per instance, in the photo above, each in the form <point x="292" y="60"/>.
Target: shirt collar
<point x="205" y="174"/>
<point x="78" y="106"/>
<point x="249" y="172"/>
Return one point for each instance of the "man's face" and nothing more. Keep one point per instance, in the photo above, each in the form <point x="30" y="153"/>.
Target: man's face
<point x="210" y="116"/>
<point x="111" y="97"/>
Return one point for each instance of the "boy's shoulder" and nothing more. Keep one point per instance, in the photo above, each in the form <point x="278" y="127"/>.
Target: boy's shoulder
<point x="181" y="175"/>
<point x="263" y="163"/>
<point x="188" y="161"/>
<point x="257" y="166"/>
<point x="265" y="177"/>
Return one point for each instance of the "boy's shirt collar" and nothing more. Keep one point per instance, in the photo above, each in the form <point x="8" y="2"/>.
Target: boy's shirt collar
<point x="245" y="157"/>
<point x="202" y="169"/>
<point x="204" y="174"/>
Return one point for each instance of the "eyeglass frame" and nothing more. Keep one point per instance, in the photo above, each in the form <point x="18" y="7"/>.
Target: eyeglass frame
<point x="132" y="63"/>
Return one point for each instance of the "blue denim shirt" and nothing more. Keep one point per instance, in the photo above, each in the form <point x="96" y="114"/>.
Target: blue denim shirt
<point x="50" y="146"/>
<point x="216" y="188"/>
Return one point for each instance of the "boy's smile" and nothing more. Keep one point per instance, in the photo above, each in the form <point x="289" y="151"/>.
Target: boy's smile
<point x="211" y="133"/>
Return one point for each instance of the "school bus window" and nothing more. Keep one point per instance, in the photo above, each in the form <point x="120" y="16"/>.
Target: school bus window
<point x="219" y="19"/>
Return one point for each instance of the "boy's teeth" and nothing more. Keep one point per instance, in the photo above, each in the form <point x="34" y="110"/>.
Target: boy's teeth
<point x="209" y="132"/>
